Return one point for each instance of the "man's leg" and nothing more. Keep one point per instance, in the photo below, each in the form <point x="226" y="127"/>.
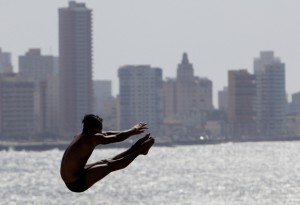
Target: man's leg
<point x="132" y="148"/>
<point x="96" y="173"/>
<point x="123" y="154"/>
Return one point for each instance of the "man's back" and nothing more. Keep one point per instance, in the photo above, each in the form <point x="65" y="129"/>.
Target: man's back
<point x="76" y="156"/>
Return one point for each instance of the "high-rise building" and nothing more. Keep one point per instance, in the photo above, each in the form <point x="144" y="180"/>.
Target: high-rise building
<point x="52" y="106"/>
<point x="102" y="94"/>
<point x="223" y="99"/>
<point x="75" y="54"/>
<point x="36" y="66"/>
<point x="293" y="116"/>
<point x="193" y="94"/>
<point x="241" y="99"/>
<point x="187" y="98"/>
<point x="140" y="96"/>
<point x="105" y="104"/>
<point x="41" y="69"/>
<point x="16" y="107"/>
<point x="169" y="98"/>
<point x="271" y="102"/>
<point x="294" y="106"/>
<point x="292" y="124"/>
<point x="5" y="62"/>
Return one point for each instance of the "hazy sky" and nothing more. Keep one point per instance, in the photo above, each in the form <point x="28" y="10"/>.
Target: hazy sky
<point x="218" y="35"/>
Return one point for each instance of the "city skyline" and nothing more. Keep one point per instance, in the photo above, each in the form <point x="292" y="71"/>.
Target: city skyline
<point x="205" y="32"/>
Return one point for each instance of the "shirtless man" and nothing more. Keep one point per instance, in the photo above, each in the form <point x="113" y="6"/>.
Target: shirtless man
<point x="79" y="176"/>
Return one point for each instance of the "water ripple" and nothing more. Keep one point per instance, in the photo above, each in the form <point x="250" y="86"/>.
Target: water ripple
<point x="225" y="174"/>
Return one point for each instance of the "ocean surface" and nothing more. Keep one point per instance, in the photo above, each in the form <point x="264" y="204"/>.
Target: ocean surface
<point x="262" y="173"/>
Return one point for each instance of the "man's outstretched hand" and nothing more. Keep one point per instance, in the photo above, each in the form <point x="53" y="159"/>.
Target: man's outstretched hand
<point x="139" y="128"/>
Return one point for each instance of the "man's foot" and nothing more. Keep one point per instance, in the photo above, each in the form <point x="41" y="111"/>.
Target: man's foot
<point x="144" y="148"/>
<point x="139" y="142"/>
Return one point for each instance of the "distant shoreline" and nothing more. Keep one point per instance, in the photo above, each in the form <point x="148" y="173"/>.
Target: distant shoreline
<point x="43" y="146"/>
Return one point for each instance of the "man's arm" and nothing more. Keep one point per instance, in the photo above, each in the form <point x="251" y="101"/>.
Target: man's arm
<point x="121" y="136"/>
<point x="111" y="133"/>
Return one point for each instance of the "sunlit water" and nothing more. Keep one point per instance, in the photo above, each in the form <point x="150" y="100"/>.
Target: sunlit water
<point x="224" y="174"/>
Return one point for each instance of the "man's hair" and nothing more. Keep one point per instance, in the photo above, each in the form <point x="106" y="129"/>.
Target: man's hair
<point x="91" y="121"/>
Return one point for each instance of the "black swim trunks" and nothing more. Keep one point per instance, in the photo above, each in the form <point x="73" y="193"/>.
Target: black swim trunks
<point x="79" y="185"/>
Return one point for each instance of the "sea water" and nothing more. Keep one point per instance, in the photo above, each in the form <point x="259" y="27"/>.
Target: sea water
<point x="264" y="173"/>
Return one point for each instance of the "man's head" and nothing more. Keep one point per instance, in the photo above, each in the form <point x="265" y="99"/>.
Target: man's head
<point x="92" y="124"/>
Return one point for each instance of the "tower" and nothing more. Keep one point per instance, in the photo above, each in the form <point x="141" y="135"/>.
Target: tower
<point x="270" y="95"/>
<point x="241" y="96"/>
<point x="75" y="54"/>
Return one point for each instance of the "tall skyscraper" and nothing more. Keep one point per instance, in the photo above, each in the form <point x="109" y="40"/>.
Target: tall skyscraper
<point x="140" y="96"/>
<point x="5" y="62"/>
<point x="241" y="99"/>
<point x="270" y="95"/>
<point x="75" y="52"/>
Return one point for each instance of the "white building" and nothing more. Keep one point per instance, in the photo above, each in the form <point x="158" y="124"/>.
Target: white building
<point x="140" y="96"/>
